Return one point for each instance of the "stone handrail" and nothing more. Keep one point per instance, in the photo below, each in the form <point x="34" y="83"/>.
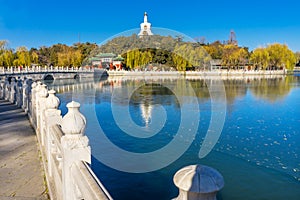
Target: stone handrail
<point x="65" y="149"/>
<point x="36" y="69"/>
<point x="85" y="176"/>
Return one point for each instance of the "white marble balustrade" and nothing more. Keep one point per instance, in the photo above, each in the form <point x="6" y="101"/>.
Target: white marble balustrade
<point x="65" y="148"/>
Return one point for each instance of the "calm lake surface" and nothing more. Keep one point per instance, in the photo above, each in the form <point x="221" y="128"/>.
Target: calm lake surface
<point x="257" y="152"/>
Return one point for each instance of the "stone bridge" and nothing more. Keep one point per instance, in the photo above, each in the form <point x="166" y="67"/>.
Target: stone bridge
<point x="52" y="73"/>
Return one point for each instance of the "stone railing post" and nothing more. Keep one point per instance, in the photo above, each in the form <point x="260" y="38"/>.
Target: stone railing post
<point x="75" y="147"/>
<point x="52" y="117"/>
<point x="6" y="89"/>
<point x="13" y="87"/>
<point x="19" y="96"/>
<point x="32" y="104"/>
<point x="2" y="94"/>
<point x="43" y="93"/>
<point x="25" y="99"/>
<point x="37" y="97"/>
<point x="198" y="182"/>
<point x="2" y="89"/>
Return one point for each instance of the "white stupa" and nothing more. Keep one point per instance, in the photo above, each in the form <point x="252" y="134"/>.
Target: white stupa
<point x="145" y="27"/>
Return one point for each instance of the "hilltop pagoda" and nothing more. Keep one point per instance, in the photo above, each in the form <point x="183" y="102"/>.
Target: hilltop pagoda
<point x="145" y="27"/>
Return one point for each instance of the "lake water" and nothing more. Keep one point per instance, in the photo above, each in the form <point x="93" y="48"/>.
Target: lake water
<point x="129" y="122"/>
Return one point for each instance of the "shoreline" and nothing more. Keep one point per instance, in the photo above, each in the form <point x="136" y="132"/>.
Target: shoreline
<point x="215" y="73"/>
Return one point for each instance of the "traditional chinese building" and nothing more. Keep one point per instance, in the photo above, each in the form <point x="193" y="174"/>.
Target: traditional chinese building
<point x="117" y="62"/>
<point x="107" y="61"/>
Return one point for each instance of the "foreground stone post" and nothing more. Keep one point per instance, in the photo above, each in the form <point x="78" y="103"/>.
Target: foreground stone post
<point x="36" y="94"/>
<point x="19" y="97"/>
<point x="52" y="117"/>
<point x="75" y="147"/>
<point x="43" y="93"/>
<point x="13" y="87"/>
<point x="6" y="89"/>
<point x="32" y="104"/>
<point x="198" y="182"/>
<point x="25" y="99"/>
<point x="2" y="89"/>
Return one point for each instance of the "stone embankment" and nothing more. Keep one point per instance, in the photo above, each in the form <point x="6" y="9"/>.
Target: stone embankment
<point x="199" y="74"/>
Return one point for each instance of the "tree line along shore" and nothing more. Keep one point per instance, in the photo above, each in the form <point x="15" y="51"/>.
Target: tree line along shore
<point x="173" y="53"/>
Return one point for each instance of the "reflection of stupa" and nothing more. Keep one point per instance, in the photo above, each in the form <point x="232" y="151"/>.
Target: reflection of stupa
<point x="146" y="110"/>
<point x="145" y="27"/>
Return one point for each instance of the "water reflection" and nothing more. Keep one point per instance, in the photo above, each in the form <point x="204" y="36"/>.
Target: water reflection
<point x="272" y="89"/>
<point x="257" y="151"/>
<point x="268" y="88"/>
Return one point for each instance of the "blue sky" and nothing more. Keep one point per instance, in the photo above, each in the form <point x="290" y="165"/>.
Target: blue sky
<point x="34" y="23"/>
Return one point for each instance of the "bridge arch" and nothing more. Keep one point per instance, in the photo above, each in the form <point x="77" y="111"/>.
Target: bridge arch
<point x="9" y="78"/>
<point x="48" y="77"/>
<point x="76" y="76"/>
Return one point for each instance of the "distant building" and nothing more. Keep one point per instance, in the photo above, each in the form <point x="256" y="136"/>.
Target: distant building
<point x="117" y="62"/>
<point x="145" y="27"/>
<point x="232" y="38"/>
<point x="107" y="61"/>
<point x="216" y="64"/>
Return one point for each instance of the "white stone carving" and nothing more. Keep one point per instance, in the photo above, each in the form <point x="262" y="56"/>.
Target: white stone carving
<point x="198" y="182"/>
<point x="43" y="92"/>
<point x="52" y="101"/>
<point x="73" y="122"/>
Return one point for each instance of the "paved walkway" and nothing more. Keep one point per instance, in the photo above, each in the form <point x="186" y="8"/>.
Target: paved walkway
<point x="21" y="171"/>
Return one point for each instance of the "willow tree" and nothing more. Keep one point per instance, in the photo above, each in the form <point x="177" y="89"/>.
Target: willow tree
<point x="281" y="56"/>
<point x="200" y="58"/>
<point x="76" y="58"/>
<point x="146" y="58"/>
<point x="215" y="50"/>
<point x="69" y="57"/>
<point x="23" y="57"/>
<point x="229" y="57"/>
<point x="242" y="56"/>
<point x="34" y="57"/>
<point x="138" y="58"/>
<point x="8" y="58"/>
<point x="181" y="56"/>
<point x="2" y="51"/>
<point x="260" y="58"/>
<point x="129" y="60"/>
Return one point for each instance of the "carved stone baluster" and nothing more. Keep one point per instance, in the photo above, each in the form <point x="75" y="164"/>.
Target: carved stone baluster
<point x="52" y="117"/>
<point x="198" y="182"/>
<point x="43" y="93"/>
<point x="75" y="146"/>
<point x="13" y="86"/>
